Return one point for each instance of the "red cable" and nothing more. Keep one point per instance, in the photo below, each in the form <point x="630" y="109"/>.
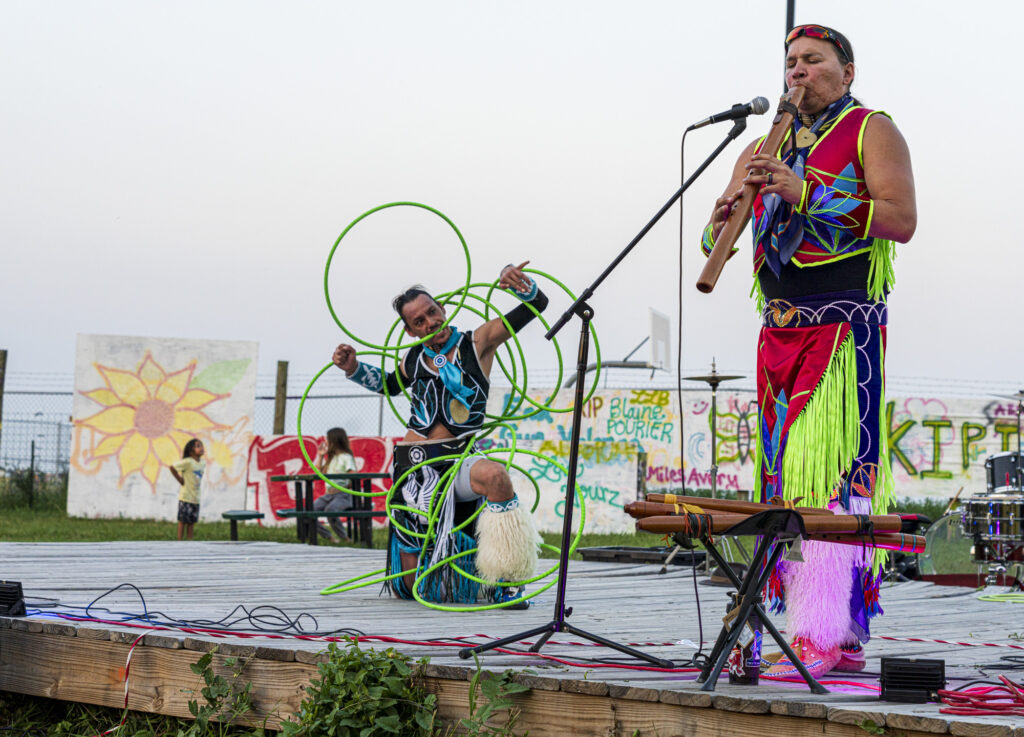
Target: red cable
<point x="127" y="668"/>
<point x="1005" y="700"/>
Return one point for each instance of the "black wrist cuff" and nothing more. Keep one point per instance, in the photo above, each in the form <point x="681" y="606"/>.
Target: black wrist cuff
<point x="519" y="316"/>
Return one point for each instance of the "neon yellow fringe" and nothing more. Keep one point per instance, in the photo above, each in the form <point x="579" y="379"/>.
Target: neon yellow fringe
<point x="823" y="440"/>
<point x="881" y="273"/>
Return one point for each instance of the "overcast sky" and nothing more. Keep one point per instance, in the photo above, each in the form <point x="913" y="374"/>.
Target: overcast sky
<point x="183" y="169"/>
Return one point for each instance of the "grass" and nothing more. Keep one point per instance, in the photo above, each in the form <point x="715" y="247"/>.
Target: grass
<point x="32" y="716"/>
<point x="41" y="517"/>
<point x="45" y="520"/>
<point x="53" y="525"/>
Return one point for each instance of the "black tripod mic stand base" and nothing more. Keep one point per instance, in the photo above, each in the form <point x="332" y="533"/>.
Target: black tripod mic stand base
<point x="545" y="631"/>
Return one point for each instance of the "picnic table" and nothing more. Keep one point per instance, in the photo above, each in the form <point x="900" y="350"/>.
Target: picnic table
<point x="360" y="517"/>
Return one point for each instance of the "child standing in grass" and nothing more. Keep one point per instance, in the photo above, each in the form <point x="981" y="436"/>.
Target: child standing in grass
<point x="189" y="473"/>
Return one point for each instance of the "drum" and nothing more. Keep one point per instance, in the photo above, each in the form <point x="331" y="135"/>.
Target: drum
<point x="1003" y="472"/>
<point x="996" y="517"/>
<point x="947" y="551"/>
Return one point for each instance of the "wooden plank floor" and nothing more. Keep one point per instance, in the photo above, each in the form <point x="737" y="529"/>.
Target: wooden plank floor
<point x="628" y="603"/>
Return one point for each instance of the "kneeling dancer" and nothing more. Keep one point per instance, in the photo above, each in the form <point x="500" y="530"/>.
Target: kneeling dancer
<point x="436" y="475"/>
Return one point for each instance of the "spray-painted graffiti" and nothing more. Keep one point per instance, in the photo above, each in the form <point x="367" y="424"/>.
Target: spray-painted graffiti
<point x="606" y="476"/>
<point x="606" y="479"/>
<point x="651" y="422"/>
<point x="641" y="415"/>
<point x="939" y="446"/>
<point x="281" y="455"/>
<point x="936" y="446"/>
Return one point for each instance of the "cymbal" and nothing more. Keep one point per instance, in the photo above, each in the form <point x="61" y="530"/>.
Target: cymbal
<point x="713" y="378"/>
<point x="1018" y="397"/>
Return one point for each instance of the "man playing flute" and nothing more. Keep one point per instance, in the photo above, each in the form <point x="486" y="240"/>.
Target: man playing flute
<point x="832" y="201"/>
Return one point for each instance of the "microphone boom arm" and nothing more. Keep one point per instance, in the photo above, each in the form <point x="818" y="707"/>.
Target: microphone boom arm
<point x="738" y="127"/>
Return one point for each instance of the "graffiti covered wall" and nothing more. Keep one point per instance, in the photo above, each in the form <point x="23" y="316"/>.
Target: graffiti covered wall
<point x="137" y="402"/>
<point x="936" y="445"/>
<point x="650" y="422"/>
<point x="606" y="479"/>
<point x="939" y="445"/>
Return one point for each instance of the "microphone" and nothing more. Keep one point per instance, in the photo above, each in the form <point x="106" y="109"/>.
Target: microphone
<point x="757" y="106"/>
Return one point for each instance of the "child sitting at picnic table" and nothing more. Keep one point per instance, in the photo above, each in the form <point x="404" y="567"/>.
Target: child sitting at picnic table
<point x="334" y="455"/>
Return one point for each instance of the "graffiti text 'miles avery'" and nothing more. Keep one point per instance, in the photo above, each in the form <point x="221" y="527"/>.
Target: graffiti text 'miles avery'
<point x="639" y="421"/>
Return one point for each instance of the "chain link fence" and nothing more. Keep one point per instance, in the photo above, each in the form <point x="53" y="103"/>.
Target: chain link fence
<point x="358" y="414"/>
<point x="36" y="429"/>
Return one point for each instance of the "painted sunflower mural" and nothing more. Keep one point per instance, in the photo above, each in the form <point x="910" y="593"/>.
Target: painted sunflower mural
<point x="148" y="414"/>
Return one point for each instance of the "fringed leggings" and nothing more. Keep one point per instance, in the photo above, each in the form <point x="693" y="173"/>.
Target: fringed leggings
<point x="820" y="383"/>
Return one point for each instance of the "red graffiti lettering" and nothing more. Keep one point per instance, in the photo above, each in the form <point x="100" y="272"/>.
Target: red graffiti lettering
<point x="282" y="456"/>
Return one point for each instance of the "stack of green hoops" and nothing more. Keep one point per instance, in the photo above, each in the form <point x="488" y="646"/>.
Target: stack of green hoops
<point x="513" y="411"/>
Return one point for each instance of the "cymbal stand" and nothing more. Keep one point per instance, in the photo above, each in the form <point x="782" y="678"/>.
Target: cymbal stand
<point x="1020" y="470"/>
<point x="714" y="379"/>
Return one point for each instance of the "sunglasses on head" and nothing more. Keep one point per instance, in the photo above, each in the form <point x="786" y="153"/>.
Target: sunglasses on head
<point x="821" y="32"/>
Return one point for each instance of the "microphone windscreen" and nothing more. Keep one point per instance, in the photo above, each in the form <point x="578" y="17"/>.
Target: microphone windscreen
<point x="759" y="105"/>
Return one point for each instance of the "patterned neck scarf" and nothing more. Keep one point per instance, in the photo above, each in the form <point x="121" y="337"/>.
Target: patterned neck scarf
<point x="784" y="230"/>
<point x="449" y="371"/>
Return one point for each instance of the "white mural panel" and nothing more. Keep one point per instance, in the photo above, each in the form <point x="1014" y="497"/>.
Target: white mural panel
<point x="137" y="401"/>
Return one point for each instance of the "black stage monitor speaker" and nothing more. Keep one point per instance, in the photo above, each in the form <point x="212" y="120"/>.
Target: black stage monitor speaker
<point x="912" y="680"/>
<point x="12" y="600"/>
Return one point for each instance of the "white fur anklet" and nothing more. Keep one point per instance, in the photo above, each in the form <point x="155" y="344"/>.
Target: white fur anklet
<point x="507" y="542"/>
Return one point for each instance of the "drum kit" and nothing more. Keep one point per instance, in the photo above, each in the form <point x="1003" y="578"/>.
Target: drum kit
<point x="993" y="521"/>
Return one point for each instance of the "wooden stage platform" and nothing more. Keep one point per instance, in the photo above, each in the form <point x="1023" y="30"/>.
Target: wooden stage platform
<point x="630" y="603"/>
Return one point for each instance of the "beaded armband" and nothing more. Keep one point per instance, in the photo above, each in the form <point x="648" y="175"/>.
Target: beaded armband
<point x="506" y="506"/>
<point x="836" y="208"/>
<point x="534" y="302"/>
<point x="529" y="294"/>
<point x="368" y="377"/>
<point x="707" y="240"/>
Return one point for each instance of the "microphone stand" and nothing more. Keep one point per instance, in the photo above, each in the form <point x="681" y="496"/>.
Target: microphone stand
<point x="585" y="312"/>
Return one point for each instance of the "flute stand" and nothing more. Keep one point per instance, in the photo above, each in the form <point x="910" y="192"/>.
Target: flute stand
<point x="581" y="309"/>
<point x="776" y="529"/>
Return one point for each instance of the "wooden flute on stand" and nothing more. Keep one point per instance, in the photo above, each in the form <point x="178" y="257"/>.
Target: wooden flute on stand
<point x="724" y="505"/>
<point x="737" y="219"/>
<point x="699" y="516"/>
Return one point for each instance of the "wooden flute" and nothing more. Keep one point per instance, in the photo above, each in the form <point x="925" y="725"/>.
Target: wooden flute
<point x="720" y="521"/>
<point x="737" y="219"/>
<point x="886" y="540"/>
<point x="667" y="503"/>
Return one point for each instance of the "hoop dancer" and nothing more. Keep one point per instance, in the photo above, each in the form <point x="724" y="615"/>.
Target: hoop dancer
<point x="447" y="377"/>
